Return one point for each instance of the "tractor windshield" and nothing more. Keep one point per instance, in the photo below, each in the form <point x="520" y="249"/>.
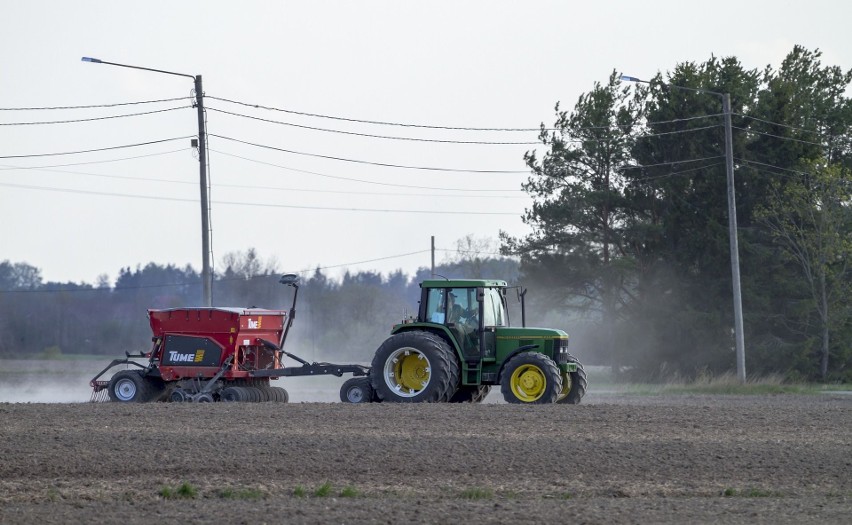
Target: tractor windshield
<point x="459" y="306"/>
<point x="453" y="306"/>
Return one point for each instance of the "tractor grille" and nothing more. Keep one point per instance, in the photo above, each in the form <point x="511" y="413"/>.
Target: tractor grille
<point x="560" y="351"/>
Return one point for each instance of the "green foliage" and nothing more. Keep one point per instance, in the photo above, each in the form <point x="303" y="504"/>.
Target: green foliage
<point x="349" y="492"/>
<point x="251" y="494"/>
<point x="184" y="491"/>
<point x="299" y="491"/>
<point x="323" y="490"/>
<point x="476" y="493"/>
<point x="750" y="493"/>
<point x="630" y="219"/>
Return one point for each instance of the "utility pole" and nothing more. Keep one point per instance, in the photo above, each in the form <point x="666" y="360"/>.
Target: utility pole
<point x="206" y="274"/>
<point x="739" y="337"/>
<point x="433" y="257"/>
<point x="732" y="236"/>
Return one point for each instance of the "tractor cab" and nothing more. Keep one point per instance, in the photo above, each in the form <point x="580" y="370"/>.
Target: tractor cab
<point x="471" y="312"/>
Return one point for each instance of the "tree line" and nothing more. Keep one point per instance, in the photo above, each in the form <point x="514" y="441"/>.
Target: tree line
<point x="630" y="220"/>
<point x="341" y="319"/>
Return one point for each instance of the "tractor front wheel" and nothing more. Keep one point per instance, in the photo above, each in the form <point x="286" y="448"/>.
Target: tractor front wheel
<point x="531" y="377"/>
<point x="414" y="367"/>
<point x="128" y="386"/>
<point x="573" y="384"/>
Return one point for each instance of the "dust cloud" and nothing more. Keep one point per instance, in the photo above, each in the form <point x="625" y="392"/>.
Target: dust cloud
<point x="43" y="381"/>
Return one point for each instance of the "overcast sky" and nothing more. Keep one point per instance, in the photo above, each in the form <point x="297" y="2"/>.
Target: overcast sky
<point x="484" y="64"/>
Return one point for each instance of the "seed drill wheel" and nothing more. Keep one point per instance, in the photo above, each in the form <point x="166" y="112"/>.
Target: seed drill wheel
<point x="232" y="394"/>
<point x="128" y="386"/>
<point x="356" y="390"/>
<point x="414" y="367"/>
<point x="573" y="384"/>
<point x="531" y="377"/>
<point x="278" y="394"/>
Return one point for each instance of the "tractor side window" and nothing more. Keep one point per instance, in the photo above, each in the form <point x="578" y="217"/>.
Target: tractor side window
<point x="495" y="313"/>
<point x="435" y="307"/>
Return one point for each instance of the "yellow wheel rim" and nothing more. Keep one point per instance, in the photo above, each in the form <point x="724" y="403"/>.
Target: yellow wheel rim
<point x="407" y="372"/>
<point x="566" y="386"/>
<point x="528" y="383"/>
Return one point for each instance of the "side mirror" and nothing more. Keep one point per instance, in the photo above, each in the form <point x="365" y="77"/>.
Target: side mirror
<point x="290" y="279"/>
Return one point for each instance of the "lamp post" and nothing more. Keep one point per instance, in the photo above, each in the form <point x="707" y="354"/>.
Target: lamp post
<point x="206" y="275"/>
<point x="732" y="220"/>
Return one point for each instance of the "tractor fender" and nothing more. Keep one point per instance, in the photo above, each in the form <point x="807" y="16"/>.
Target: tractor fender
<point x="512" y="354"/>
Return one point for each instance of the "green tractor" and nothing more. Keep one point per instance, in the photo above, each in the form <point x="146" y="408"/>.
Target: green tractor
<point x="461" y="344"/>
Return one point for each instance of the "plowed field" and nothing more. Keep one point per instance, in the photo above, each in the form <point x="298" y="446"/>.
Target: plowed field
<point x="612" y="459"/>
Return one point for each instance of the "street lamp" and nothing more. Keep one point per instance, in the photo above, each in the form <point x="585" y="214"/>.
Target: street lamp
<point x="206" y="275"/>
<point x="732" y="220"/>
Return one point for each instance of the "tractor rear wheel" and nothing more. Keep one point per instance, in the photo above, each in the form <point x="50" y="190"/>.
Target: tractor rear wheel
<point x="573" y="384"/>
<point x="128" y="386"/>
<point x="356" y="390"/>
<point x="530" y="377"/>
<point x="413" y="367"/>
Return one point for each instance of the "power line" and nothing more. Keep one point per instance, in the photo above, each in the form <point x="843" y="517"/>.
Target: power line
<point x="815" y="132"/>
<point x="356" y="161"/>
<point x="426" y="126"/>
<point x="387" y="137"/>
<point x="253" y="204"/>
<point x="96" y="149"/>
<point x="772" y="166"/>
<point x="46" y="168"/>
<point x="376" y="122"/>
<point x="338" y="177"/>
<point x="92" y="119"/>
<point x="90" y="106"/>
<point x="780" y="137"/>
<point x="672" y="163"/>
<point x="220" y="280"/>
<point x="642" y="136"/>
<point x="682" y="172"/>
<point x="254" y="187"/>
<point x="364" y="262"/>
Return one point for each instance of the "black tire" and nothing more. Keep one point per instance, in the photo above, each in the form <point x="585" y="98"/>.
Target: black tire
<point x="470" y="394"/>
<point x="530" y="377"/>
<point x="357" y="390"/>
<point x="253" y="394"/>
<point x="284" y="396"/>
<point x="206" y="397"/>
<point x="413" y="367"/>
<point x="265" y="394"/>
<point x="232" y="394"/>
<point x="576" y="384"/>
<point x="455" y="376"/>
<point x="278" y="394"/>
<point x="128" y="386"/>
<point x="178" y="395"/>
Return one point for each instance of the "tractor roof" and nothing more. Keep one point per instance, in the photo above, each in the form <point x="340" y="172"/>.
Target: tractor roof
<point x="462" y="283"/>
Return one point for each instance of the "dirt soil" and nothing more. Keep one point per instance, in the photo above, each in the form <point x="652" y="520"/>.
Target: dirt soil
<point x="612" y="459"/>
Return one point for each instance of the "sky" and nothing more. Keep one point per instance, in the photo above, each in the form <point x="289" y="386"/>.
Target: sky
<point x="472" y="64"/>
